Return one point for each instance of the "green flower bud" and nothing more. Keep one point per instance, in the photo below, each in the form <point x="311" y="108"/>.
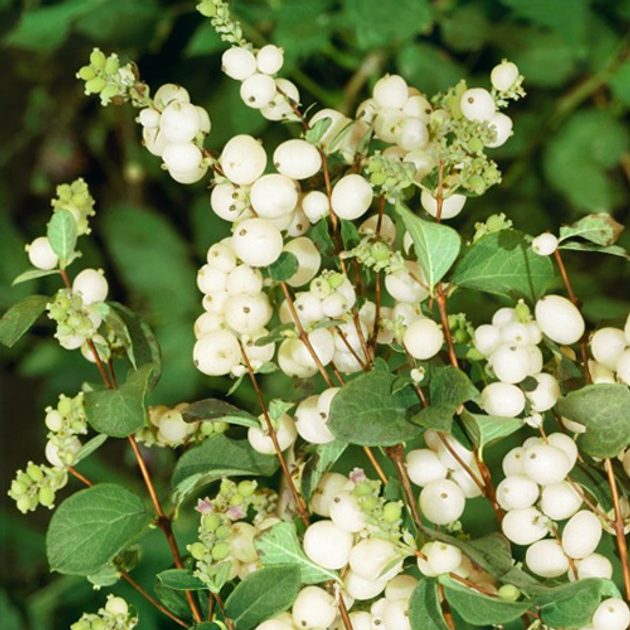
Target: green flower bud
<point x="86" y="73"/>
<point x="26" y="504"/>
<point x="197" y="550"/>
<point x="109" y="92"/>
<point x="97" y="59"/>
<point x="509" y="592"/>
<point x="34" y="472"/>
<point x="94" y="86"/>
<point x="246" y="488"/>
<point x="223" y="532"/>
<point x="392" y="512"/>
<point x="335" y="280"/>
<point x="220" y="551"/>
<point x="112" y="64"/>
<point x="368" y="503"/>
<point x="46" y="496"/>
<point x="236" y="499"/>
<point x="210" y="522"/>
<point x="18" y="488"/>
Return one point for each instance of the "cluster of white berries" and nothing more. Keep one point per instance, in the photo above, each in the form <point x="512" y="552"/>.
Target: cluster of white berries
<point x="115" y="615"/>
<point x="445" y="482"/>
<point x="260" y="89"/>
<point x="168" y="429"/>
<point x="610" y="348"/>
<point x="174" y="129"/>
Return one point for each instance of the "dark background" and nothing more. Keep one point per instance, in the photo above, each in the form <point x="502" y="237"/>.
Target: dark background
<point x="570" y="155"/>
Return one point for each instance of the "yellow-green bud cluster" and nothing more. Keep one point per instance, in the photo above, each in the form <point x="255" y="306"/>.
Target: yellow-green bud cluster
<point x="37" y="485"/>
<point x="64" y="424"/>
<point x="76" y="199"/>
<point x="105" y="76"/>
<point x="375" y="254"/>
<point x="219" y="13"/>
<point x="462" y="330"/>
<point x="494" y="223"/>
<point x="384" y="516"/>
<point x="76" y="322"/>
<point x="166" y="428"/>
<point x="389" y="174"/>
<point x="115" y="615"/>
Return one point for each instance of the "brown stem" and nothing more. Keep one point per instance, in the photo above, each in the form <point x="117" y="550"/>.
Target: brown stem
<point x="377" y="467"/>
<point x="79" y="476"/>
<point x="441" y="301"/>
<point x="352" y="351"/>
<point x="619" y="527"/>
<point x="439" y="198"/>
<point x="99" y="365"/>
<point x="276" y="445"/>
<point x="125" y="576"/>
<point x="343" y="612"/>
<point x="395" y="453"/>
<point x="228" y="621"/>
<point x="573" y="298"/>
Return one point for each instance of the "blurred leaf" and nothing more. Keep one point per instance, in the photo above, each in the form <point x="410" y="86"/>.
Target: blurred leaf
<point x="280" y="546"/>
<point x="205" y="41"/>
<point x="466" y="28"/>
<point x="46" y="28"/>
<point x="576" y="159"/>
<point x="262" y="595"/>
<point x="620" y="83"/>
<point x="428" y="68"/>
<point x="20" y="317"/>
<point x="88" y="529"/>
<point x="119" y="412"/>
<point x="375" y="24"/>
<point x="504" y="263"/>
<point x="565" y="17"/>
<point x="9" y="614"/>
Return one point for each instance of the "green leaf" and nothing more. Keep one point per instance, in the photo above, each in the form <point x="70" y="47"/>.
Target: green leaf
<point x="119" y="412"/>
<point x="604" y="410"/>
<point x="425" y="612"/>
<point x="599" y="228"/>
<point x="488" y="430"/>
<point x="503" y="263"/>
<point x="181" y="580"/>
<point x="321" y="461"/>
<point x="349" y="234"/>
<point x="143" y="346"/>
<point x="438" y="417"/>
<point x="218" y="457"/>
<point x="62" y="235"/>
<point x="33" y="274"/>
<point x="427" y="67"/>
<point x="219" y="410"/>
<point x="92" y="526"/>
<point x="175" y="601"/>
<point x="620" y="82"/>
<point x="572" y="605"/>
<point x="375" y="24"/>
<point x="365" y="411"/>
<point x="612" y="250"/>
<point x="479" y="609"/>
<point x="284" y="268"/>
<point x="262" y="595"/>
<point x="20" y="317"/>
<point x="436" y="245"/>
<point x="315" y="133"/>
<point x="90" y="447"/>
<point x="321" y="237"/>
<point x="206" y="625"/>
<point x="280" y="546"/>
<point x="449" y="384"/>
<point x="205" y="41"/>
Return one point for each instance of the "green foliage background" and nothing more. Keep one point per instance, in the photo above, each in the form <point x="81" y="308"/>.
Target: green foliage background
<point x="570" y="155"/>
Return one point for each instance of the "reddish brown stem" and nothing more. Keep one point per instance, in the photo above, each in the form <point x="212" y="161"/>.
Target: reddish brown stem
<point x="574" y="300"/>
<point x="395" y="453"/>
<point x="79" y="476"/>
<point x="619" y="527"/>
<point x="228" y="621"/>
<point x="125" y="576"/>
<point x="297" y="498"/>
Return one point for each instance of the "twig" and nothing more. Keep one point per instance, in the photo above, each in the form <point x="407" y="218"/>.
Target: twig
<point x="228" y="621"/>
<point x="79" y="476"/>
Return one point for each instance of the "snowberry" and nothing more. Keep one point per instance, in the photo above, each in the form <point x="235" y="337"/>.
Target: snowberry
<point x="247" y="313"/>
<point x="280" y="107"/>
<point x="361" y="589"/>
<point x="313" y="608"/>
<point x="423" y="339"/>
<point x="477" y="104"/>
<point x="257" y="242"/>
<point x="502" y="126"/>
<point x="515" y="333"/>
<point x="371" y="558"/>
<point x="215" y="302"/>
<point x="391" y="91"/>
<point x="274" y="195"/>
<point x="504" y="316"/>
<point x="451" y="205"/>
<point x="412" y="134"/>
<point x="546" y="464"/>
<point x="41" y="255"/>
<point x="270" y="59"/>
<point x="612" y="614"/>
<point x="277" y="624"/>
<point x="315" y="205"/>
<point x="517" y="492"/>
<point x="607" y="346"/>
<point x="545" y="244"/>
<point x="503" y="399"/>
<point x="210" y="279"/>
<point x="423" y="466"/>
<point x="623" y="367"/>
<point x="242" y="542"/>
<point x="510" y="362"/>
<point x="328" y="487"/>
<point x="351" y="197"/>
<point x="238" y="63"/>
<point x="216" y="353"/>
<point x="559" y="319"/>
<point x="547" y="559"/>
<point x="560" y="501"/>
<point x="445" y="453"/>
<point x="443" y="558"/>
<point x="346" y="513"/>
<point x="309" y="260"/>
<point x="310" y="424"/>
<point x="487" y="339"/>
<point x="117" y="606"/>
<point x="261" y="441"/>
<point x="328" y="545"/>
<point x="514" y="461"/>
<point x="297" y="159"/>
<point x="170" y="93"/>
<point x="546" y="394"/>
<point x="180" y="122"/>
<point x="468" y="485"/>
<point x="395" y="615"/>
<point x="504" y="75"/>
<point x="403" y="285"/>
<point x="149" y="117"/>
<point x="189" y="176"/>
<point x="442" y="501"/>
<point x="581" y="534"/>
<point x="387" y="230"/>
<point x="244" y="279"/>
<point x="524" y="527"/>
<point x="172" y="427"/>
<point x="91" y="285"/>
<point x="243" y="160"/>
<point x="566" y="444"/>
<point x="258" y="90"/>
<point x="594" y="566"/>
<point x="400" y="587"/>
